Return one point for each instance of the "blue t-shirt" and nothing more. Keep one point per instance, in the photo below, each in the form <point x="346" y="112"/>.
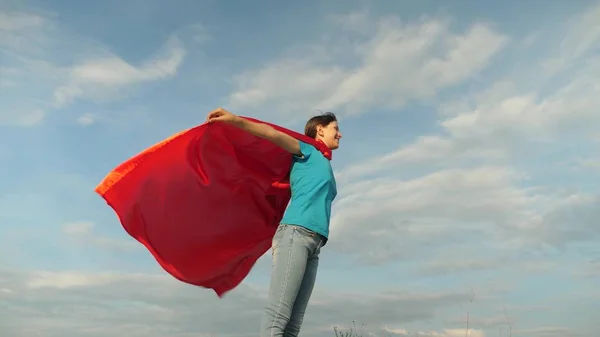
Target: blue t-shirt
<point x="313" y="189"/>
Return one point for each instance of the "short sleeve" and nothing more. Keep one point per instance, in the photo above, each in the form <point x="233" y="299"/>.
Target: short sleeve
<point x="306" y="150"/>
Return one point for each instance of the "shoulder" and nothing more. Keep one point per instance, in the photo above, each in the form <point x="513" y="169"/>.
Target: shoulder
<point x="307" y="151"/>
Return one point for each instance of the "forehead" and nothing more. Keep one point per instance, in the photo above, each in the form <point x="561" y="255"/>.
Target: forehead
<point x="333" y="125"/>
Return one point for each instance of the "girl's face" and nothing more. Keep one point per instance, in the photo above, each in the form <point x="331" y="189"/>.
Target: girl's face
<point x="330" y="135"/>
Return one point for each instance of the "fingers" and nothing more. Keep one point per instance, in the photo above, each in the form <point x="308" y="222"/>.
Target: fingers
<point x="216" y="115"/>
<point x="217" y="112"/>
<point x="214" y="119"/>
<point x="213" y="115"/>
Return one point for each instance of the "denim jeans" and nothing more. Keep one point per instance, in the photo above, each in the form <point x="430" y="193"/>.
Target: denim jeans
<point x="294" y="270"/>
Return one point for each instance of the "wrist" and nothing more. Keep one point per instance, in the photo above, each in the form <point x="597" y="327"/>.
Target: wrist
<point x="238" y="121"/>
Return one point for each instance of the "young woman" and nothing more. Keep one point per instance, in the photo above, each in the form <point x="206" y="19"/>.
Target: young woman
<point x="304" y="228"/>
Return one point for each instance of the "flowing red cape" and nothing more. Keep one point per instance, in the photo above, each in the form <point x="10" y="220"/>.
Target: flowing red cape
<point x="205" y="202"/>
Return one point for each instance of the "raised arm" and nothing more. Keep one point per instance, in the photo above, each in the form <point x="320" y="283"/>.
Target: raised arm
<point x="264" y="131"/>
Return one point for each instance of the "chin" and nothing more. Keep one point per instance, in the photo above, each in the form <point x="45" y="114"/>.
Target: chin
<point x="334" y="146"/>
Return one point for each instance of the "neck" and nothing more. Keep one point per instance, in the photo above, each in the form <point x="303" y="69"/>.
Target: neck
<point x="319" y="140"/>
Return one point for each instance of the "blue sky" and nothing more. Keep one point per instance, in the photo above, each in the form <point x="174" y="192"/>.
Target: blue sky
<point x="468" y="172"/>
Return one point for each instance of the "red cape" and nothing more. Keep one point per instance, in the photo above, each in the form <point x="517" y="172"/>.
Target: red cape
<point x="205" y="202"/>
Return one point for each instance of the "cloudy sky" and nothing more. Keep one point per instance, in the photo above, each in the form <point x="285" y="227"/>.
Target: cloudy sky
<point x="468" y="172"/>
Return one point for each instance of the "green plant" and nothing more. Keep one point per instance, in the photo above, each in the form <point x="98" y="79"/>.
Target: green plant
<point x="352" y="332"/>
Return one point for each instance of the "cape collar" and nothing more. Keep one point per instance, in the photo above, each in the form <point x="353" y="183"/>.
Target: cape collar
<point x="325" y="150"/>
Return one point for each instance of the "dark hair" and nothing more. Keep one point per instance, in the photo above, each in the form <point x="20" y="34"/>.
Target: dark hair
<point x="323" y="120"/>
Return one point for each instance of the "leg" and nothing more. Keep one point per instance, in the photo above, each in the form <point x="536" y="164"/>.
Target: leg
<point x="310" y="274"/>
<point x="289" y="262"/>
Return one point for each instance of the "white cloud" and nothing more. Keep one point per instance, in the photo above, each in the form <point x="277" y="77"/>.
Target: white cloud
<point x="14" y="21"/>
<point x="109" y="304"/>
<point x="357" y="22"/>
<point x="24" y="35"/>
<point x="114" y="71"/>
<point x="583" y="36"/>
<point x="86" y="119"/>
<point x="401" y="63"/>
<point x="458" y="209"/>
<point x="571" y="109"/>
<point x="273" y="87"/>
<point x="68" y="280"/>
<point x="450" y="263"/>
<point x="589" y="164"/>
<point x="572" y="218"/>
<point x="46" y="67"/>
<point x="549" y="331"/>
<point x="401" y="332"/>
<point x="22" y="118"/>
<point x="432" y="149"/>
<point x="501" y="123"/>
<point x="454" y="333"/>
<point x="593" y="269"/>
<point x="83" y="232"/>
<point x="498" y="321"/>
<point x="441" y="218"/>
<point x="398" y="63"/>
<point x="443" y="266"/>
<point x="103" y="77"/>
<point x="529" y="40"/>
<point x="78" y="228"/>
<point x="451" y="206"/>
<point x="16" y="29"/>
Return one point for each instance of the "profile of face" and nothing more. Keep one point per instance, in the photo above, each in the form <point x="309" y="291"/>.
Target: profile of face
<point x="330" y="135"/>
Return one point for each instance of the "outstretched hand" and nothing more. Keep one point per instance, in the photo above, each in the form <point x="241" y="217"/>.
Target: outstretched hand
<point x="221" y="115"/>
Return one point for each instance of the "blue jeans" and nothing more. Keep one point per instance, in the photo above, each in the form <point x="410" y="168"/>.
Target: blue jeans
<point x="294" y="270"/>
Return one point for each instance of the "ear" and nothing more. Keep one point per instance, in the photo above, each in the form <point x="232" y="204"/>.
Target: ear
<point x="320" y="130"/>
